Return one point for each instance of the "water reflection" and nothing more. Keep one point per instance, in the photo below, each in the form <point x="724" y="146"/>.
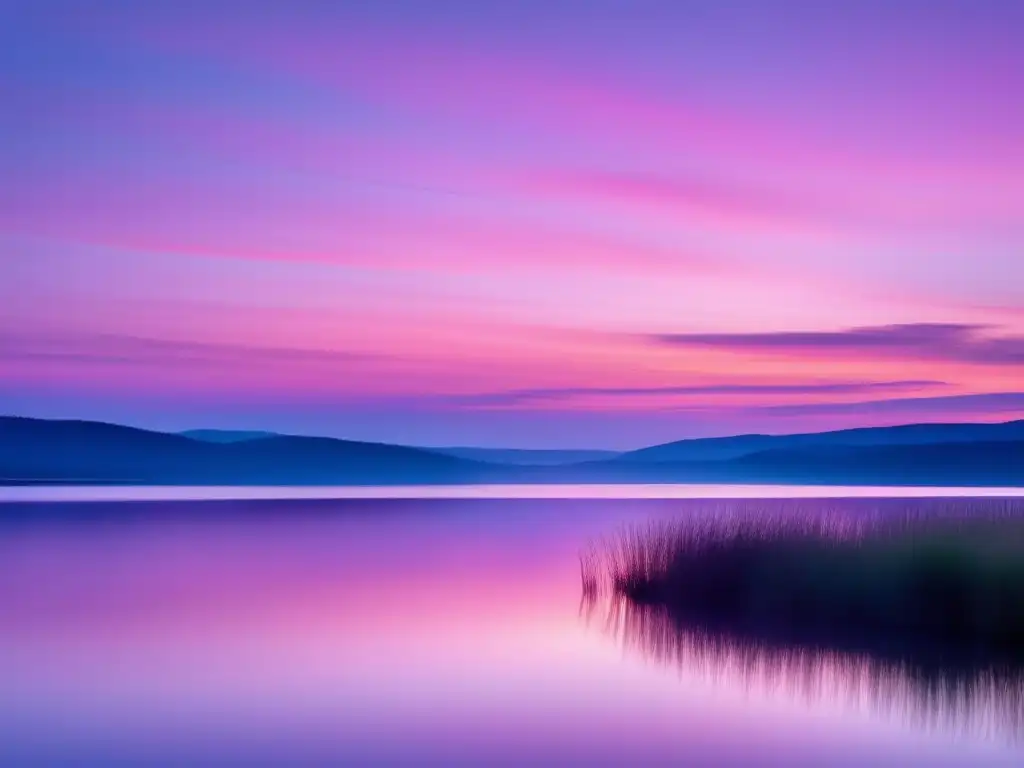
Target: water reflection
<point x="976" y="702"/>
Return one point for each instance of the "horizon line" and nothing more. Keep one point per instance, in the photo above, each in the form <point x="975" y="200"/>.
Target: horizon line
<point x="272" y="434"/>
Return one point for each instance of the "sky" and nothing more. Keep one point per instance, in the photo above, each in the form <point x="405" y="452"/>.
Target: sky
<point x="541" y="223"/>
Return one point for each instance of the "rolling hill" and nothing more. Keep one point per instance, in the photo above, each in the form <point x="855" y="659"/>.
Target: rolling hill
<point x="225" y="435"/>
<point x="995" y="463"/>
<point x="63" y="451"/>
<point x="42" y="451"/>
<point x="720" y="448"/>
<point x="526" y="457"/>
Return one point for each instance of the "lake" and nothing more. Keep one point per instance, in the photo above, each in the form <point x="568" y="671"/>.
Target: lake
<point x="173" y="630"/>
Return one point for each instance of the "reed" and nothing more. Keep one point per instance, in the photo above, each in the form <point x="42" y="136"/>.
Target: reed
<point x="947" y="582"/>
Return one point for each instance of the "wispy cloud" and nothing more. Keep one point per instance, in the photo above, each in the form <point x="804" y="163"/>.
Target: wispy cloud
<point x="526" y="396"/>
<point x="941" y="406"/>
<point x="502" y="206"/>
<point x="923" y="341"/>
<point x="112" y="349"/>
<point x="702" y="199"/>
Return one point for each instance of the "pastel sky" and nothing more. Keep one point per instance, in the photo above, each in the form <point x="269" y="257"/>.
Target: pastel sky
<point x="541" y="223"/>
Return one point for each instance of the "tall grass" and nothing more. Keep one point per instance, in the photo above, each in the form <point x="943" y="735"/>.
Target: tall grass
<point x="913" y="612"/>
<point x="943" y="578"/>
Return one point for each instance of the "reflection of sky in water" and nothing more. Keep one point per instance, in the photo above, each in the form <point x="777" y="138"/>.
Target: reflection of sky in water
<point x="365" y="632"/>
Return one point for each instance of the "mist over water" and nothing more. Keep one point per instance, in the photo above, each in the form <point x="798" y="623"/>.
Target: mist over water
<point x="429" y="631"/>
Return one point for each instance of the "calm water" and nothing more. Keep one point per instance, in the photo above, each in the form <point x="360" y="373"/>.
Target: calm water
<point x="430" y="631"/>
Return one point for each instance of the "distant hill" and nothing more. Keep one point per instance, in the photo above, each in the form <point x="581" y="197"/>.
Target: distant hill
<point x="722" y="448"/>
<point x="63" y="451"/>
<point x="994" y="463"/>
<point x="999" y="462"/>
<point x="41" y="451"/>
<point x="225" y="436"/>
<point x="526" y="457"/>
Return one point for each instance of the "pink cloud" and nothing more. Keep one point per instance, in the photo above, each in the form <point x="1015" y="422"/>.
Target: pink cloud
<point x="443" y="217"/>
<point x="252" y="219"/>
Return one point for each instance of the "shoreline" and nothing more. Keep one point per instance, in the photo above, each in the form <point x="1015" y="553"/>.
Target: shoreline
<point x="624" y="491"/>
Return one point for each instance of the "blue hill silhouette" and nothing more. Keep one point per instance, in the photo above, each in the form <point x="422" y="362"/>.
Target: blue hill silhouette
<point x="527" y="457"/>
<point x="41" y="450"/>
<point x="226" y="435"/>
<point x="994" y="463"/>
<point x="718" y="448"/>
<point x="44" y="451"/>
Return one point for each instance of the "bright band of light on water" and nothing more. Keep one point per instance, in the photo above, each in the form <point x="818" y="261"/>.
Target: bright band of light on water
<point x="582" y="491"/>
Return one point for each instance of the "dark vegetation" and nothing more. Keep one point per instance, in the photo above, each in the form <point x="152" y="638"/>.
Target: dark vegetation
<point x="946" y="588"/>
<point x="912" y="612"/>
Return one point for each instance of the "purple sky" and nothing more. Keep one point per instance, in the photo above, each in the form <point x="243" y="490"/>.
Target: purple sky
<point x="568" y="223"/>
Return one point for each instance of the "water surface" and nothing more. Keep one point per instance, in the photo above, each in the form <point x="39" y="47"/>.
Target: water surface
<point x="483" y="491"/>
<point x="417" y="631"/>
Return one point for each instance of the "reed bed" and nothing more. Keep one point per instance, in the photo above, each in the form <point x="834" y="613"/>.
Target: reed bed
<point x="941" y="579"/>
